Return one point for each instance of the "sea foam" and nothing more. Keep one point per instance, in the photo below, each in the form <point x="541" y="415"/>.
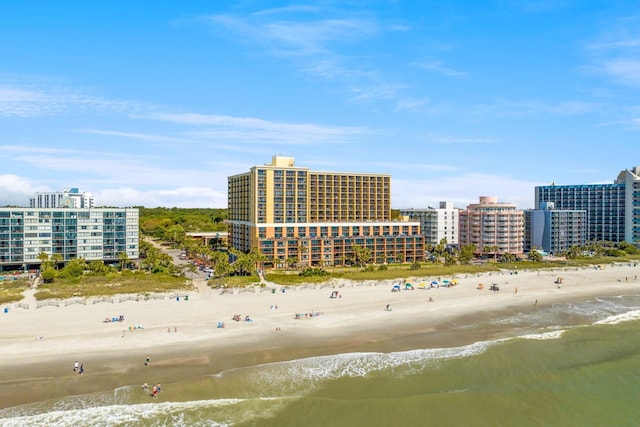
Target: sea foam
<point x="162" y="413"/>
<point x="620" y="318"/>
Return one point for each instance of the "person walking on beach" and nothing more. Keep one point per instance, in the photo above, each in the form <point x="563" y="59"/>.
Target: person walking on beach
<point x="75" y="366"/>
<point x="81" y="370"/>
<point x="154" y="392"/>
<point x="147" y="361"/>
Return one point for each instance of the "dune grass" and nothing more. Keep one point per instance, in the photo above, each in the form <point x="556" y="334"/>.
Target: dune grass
<point x="130" y="282"/>
<point x="127" y="282"/>
<point x="403" y="271"/>
<point x="11" y="290"/>
<point x="234" y="281"/>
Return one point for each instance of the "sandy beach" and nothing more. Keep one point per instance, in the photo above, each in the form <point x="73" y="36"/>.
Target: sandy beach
<point x="38" y="346"/>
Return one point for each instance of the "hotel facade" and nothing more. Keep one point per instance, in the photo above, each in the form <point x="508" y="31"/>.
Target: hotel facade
<point x="317" y="218"/>
<point x="613" y="210"/>
<point x="554" y="231"/>
<point x="91" y="234"/>
<point x="494" y="228"/>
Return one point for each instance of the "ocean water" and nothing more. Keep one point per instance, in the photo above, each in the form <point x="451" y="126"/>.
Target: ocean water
<point x="568" y="365"/>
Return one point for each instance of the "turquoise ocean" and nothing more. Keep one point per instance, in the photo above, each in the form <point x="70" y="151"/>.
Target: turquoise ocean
<point x="574" y="364"/>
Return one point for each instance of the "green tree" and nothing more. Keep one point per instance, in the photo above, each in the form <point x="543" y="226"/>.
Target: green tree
<point x="175" y="234"/>
<point x="74" y="268"/>
<point x="257" y="258"/>
<point x="243" y="265"/>
<point x="48" y="275"/>
<point x="534" y="255"/>
<point x="303" y="255"/>
<point x="123" y="258"/>
<point x="97" y="266"/>
<point x="56" y="259"/>
<point x="361" y="255"/>
<point x="507" y="257"/>
<point x="628" y="248"/>
<point x="466" y="253"/>
<point x="222" y="268"/>
<point x="441" y="247"/>
<point x="45" y="263"/>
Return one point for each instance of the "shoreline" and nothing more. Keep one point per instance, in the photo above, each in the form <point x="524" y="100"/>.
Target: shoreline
<point x="39" y="369"/>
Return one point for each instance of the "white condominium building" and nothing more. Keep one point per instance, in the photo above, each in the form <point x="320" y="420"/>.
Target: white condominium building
<point x="436" y="223"/>
<point x="67" y="198"/>
<point x="91" y="234"/>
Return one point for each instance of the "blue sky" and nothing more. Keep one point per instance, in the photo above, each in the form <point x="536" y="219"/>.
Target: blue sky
<point x="156" y="103"/>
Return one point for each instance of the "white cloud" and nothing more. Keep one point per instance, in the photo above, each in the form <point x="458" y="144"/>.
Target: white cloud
<point x="462" y="190"/>
<point x="36" y="97"/>
<point x="315" y="42"/>
<point x="439" y="68"/>
<point x="461" y="140"/>
<point x="257" y="131"/>
<point x="16" y="190"/>
<point x="131" y="135"/>
<point x="528" y="108"/>
<point x="184" y="197"/>
<point x="304" y="36"/>
<point x="625" y="71"/>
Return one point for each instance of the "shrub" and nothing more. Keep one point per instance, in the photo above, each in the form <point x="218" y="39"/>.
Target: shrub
<point x="48" y="275"/>
<point x="313" y="272"/>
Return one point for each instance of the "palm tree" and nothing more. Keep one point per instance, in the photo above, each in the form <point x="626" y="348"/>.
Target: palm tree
<point x="292" y="260"/>
<point x="45" y="263"/>
<point x="257" y="257"/>
<point x="361" y="255"/>
<point x="56" y="258"/>
<point x="124" y="260"/>
<point x="302" y="248"/>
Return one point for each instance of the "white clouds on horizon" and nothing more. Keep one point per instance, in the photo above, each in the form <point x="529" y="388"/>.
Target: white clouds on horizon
<point x="183" y="197"/>
<point x="417" y="193"/>
<point x="462" y="190"/>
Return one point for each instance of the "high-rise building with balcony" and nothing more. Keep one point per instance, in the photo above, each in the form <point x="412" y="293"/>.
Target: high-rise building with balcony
<point x="91" y="234"/>
<point x="613" y="210"/>
<point x="436" y="223"/>
<point x="631" y="180"/>
<point x="314" y="218"/>
<point x="554" y="231"/>
<point x="494" y="228"/>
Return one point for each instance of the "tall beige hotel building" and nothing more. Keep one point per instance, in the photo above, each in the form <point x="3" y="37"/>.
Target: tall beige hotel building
<point x="317" y="218"/>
